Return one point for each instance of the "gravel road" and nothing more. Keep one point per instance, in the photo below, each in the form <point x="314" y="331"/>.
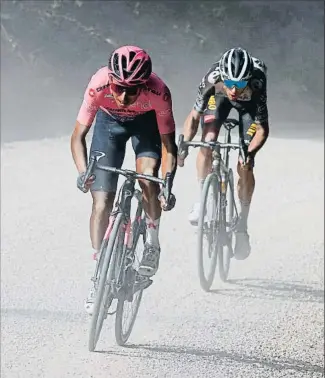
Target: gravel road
<point x="267" y="321"/>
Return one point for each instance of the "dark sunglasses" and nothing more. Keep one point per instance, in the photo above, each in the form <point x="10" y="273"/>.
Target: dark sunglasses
<point x="130" y="91"/>
<point x="241" y="84"/>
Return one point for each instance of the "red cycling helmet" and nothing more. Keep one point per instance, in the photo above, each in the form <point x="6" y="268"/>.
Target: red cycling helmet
<point x="129" y="66"/>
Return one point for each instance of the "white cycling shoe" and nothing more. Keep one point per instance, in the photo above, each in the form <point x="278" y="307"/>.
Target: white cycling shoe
<point x="90" y="300"/>
<point x="150" y="260"/>
<point x="193" y="217"/>
<point x="242" y="246"/>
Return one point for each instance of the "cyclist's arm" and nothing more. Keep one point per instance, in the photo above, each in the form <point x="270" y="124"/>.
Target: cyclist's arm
<point x="168" y="154"/>
<point x="85" y="118"/>
<point x="191" y="125"/>
<point x="205" y="90"/>
<point x="166" y="126"/>
<point x="262" y="123"/>
<point x="78" y="146"/>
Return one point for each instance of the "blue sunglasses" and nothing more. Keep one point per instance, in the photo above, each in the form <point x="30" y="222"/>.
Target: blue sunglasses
<point x="233" y="83"/>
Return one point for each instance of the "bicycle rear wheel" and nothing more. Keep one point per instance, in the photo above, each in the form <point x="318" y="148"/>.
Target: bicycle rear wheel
<point x="225" y="250"/>
<point x="133" y="287"/>
<point x="104" y="295"/>
<point x="208" y="229"/>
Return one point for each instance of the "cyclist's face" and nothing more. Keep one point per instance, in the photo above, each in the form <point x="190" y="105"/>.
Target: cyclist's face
<point x="233" y="93"/>
<point x="234" y="88"/>
<point x="124" y="96"/>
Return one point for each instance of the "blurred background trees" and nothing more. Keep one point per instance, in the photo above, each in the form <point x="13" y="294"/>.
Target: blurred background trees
<point x="49" y="50"/>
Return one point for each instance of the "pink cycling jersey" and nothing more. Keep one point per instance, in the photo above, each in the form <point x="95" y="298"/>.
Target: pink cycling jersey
<point x="156" y="96"/>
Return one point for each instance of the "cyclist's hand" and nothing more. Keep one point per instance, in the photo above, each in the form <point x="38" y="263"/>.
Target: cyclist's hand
<point x="84" y="186"/>
<point x="248" y="161"/>
<point x="181" y="156"/>
<point x="167" y="205"/>
<point x="166" y="198"/>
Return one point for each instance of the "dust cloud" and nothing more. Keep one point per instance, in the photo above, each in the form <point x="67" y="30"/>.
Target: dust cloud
<point x="50" y="49"/>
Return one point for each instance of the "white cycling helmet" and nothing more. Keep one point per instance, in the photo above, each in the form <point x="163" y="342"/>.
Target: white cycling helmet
<point x="236" y="64"/>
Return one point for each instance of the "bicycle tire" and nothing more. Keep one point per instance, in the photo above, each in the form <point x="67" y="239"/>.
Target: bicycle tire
<point x="103" y="290"/>
<point x="121" y="337"/>
<point x="225" y="251"/>
<point x="206" y="283"/>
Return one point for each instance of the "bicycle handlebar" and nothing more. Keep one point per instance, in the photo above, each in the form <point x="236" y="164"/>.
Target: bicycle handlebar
<point x="130" y="174"/>
<point x="212" y="145"/>
<point x="93" y="161"/>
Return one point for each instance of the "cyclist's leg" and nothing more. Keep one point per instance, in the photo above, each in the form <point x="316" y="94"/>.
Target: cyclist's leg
<point x="109" y="137"/>
<point x="216" y="113"/>
<point x="147" y="147"/>
<point x="245" y="185"/>
<point x="246" y="181"/>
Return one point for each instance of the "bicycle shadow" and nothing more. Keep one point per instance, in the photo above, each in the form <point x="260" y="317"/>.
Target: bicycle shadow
<point x="213" y="356"/>
<point x="273" y="289"/>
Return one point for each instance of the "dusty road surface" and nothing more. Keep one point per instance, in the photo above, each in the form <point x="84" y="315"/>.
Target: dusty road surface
<point x="266" y="322"/>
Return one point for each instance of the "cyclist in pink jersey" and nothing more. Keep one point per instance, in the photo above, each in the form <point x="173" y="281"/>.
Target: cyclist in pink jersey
<point x="128" y="101"/>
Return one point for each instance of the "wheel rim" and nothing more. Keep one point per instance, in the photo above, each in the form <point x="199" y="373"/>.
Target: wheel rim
<point x="208" y="233"/>
<point x="130" y="299"/>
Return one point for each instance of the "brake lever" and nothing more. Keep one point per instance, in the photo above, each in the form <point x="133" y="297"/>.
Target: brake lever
<point x="97" y="155"/>
<point x="180" y="141"/>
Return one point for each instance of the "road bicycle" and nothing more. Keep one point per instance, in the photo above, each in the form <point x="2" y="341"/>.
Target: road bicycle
<point x="218" y="210"/>
<point x="115" y="276"/>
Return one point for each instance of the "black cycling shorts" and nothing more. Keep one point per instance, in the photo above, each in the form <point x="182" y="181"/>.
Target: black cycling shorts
<point x="218" y="110"/>
<point x="110" y="136"/>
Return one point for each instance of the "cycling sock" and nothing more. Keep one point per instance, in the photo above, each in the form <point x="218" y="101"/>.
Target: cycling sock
<point x="152" y="231"/>
<point x="201" y="183"/>
<point x="95" y="254"/>
<point x="244" y="214"/>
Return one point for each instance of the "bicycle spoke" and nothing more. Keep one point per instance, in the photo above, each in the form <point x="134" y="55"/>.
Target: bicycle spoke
<point x="128" y="304"/>
<point x="104" y="295"/>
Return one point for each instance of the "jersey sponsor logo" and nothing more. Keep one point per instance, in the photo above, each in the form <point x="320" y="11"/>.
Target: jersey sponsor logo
<point x="261" y="108"/>
<point x="213" y="76"/>
<point x="166" y="96"/>
<point x="109" y="95"/>
<point x="142" y="105"/>
<point x="252" y="129"/>
<point x="163" y="113"/>
<point x="119" y="111"/>
<point x="202" y="84"/>
<point x="91" y="92"/>
<point x="154" y="91"/>
<point x="212" y="103"/>
<point x="123" y="118"/>
<point x="102" y="88"/>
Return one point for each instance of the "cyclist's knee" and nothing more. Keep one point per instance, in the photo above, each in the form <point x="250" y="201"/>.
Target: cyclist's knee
<point x="245" y="171"/>
<point x="210" y="132"/>
<point x="147" y="166"/>
<point x="102" y="202"/>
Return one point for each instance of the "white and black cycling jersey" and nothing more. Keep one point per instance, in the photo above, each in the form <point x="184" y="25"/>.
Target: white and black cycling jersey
<point x="256" y="90"/>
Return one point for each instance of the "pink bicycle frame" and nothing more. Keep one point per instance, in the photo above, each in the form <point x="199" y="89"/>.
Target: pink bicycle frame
<point x="127" y="228"/>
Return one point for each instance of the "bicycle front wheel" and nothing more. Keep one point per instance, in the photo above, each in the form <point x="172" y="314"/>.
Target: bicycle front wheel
<point x="104" y="296"/>
<point x="208" y="230"/>
<point x="129" y="302"/>
<point x="225" y="250"/>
